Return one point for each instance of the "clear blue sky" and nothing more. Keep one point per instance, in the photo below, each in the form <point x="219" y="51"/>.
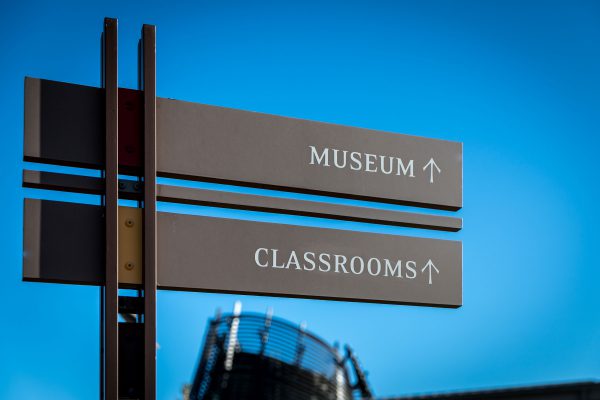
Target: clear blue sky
<point x="516" y="81"/>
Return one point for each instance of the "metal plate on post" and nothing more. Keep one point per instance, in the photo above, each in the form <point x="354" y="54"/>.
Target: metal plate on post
<point x="198" y="253"/>
<point x="201" y="142"/>
<point x="130" y="245"/>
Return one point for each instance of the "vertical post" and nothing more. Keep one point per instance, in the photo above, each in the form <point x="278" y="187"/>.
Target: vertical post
<point x="149" y="87"/>
<point x="111" y="200"/>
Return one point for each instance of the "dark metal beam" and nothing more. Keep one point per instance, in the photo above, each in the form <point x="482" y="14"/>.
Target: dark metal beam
<point x="178" y="194"/>
<point x="128" y="189"/>
<point x="111" y="200"/>
<point x="63" y="182"/>
<point x="248" y="202"/>
<point x="149" y="87"/>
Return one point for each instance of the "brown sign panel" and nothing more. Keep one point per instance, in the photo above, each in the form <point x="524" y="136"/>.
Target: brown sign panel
<point x="224" y="255"/>
<point x="64" y="124"/>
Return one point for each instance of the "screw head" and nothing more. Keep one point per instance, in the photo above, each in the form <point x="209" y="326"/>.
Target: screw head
<point x="121" y="185"/>
<point x="129" y="222"/>
<point x="129" y="265"/>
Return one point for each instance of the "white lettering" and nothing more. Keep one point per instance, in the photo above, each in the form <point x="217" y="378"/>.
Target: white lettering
<point x="405" y="170"/>
<point x="392" y="270"/>
<point x="274" y="251"/>
<point x="358" y="161"/>
<point x="314" y="156"/>
<point x="310" y="260"/>
<point x="378" y="266"/>
<point x="355" y="158"/>
<point x="257" y="259"/>
<point x="335" y="158"/>
<point x="340" y="264"/>
<point x="265" y="257"/>
<point x="293" y="260"/>
<point x="370" y="161"/>
<point x="411" y="265"/>
<point x="362" y="265"/>
<point x="324" y="262"/>
<point x="389" y="171"/>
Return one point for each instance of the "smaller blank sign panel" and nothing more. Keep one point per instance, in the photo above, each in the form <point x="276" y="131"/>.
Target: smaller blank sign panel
<point x="214" y="254"/>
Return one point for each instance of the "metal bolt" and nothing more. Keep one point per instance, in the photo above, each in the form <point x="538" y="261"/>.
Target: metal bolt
<point x="129" y="222"/>
<point x="136" y="186"/>
<point x="121" y="185"/>
<point x="129" y="265"/>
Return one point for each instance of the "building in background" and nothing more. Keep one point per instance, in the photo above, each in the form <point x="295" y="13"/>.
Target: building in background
<point x="567" y="391"/>
<point x="257" y="356"/>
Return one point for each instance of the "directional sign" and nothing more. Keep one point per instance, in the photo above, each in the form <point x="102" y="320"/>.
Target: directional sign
<point x="129" y="132"/>
<point x="64" y="123"/>
<point x="256" y="257"/>
<point x="63" y="244"/>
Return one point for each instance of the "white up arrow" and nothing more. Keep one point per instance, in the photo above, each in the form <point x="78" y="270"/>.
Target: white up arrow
<point x="431" y="164"/>
<point x="429" y="266"/>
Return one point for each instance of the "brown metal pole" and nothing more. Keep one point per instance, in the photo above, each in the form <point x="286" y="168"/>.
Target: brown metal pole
<point x="111" y="199"/>
<point x="149" y="86"/>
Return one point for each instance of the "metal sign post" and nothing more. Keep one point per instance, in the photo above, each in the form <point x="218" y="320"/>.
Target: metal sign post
<point x="124" y="131"/>
<point x="150" y="238"/>
<point x="111" y="204"/>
